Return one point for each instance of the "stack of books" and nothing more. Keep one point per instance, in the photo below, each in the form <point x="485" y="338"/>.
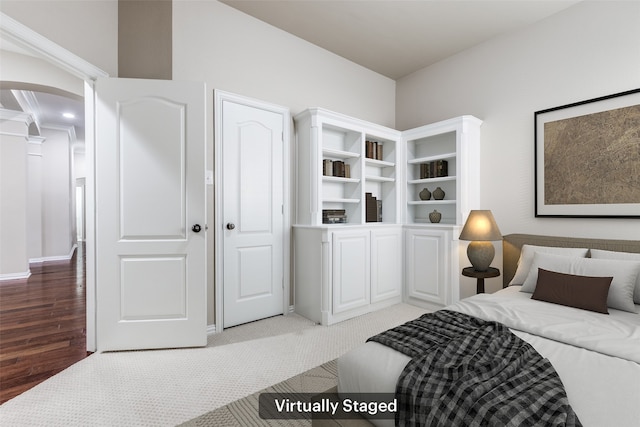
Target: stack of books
<point x="373" y="208"/>
<point x="334" y="216"/>
<point x="336" y="168"/>
<point x="373" y="150"/>
<point x="436" y="169"/>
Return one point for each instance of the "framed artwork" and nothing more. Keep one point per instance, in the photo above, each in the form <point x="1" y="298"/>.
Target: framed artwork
<point x="587" y="158"/>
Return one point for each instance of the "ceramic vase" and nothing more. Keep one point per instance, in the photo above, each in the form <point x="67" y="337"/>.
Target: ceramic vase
<point x="425" y="194"/>
<point x="438" y="193"/>
<point x="435" y="216"/>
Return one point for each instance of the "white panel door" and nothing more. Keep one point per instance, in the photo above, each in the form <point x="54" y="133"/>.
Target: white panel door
<point x="386" y="263"/>
<point x="427" y="265"/>
<point x="252" y="212"/>
<point x="351" y="269"/>
<point x="149" y="195"/>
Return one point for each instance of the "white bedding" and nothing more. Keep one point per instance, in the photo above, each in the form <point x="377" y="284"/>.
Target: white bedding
<point x="596" y="355"/>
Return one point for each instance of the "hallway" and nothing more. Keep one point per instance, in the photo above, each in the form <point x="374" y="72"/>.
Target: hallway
<point x="42" y="324"/>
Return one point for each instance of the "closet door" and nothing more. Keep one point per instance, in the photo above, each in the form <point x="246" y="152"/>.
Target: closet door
<point x="252" y="213"/>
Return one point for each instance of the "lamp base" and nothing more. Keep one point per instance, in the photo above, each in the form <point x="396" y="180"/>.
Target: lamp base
<point x="481" y="254"/>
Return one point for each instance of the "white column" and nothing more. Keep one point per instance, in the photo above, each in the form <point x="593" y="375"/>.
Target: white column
<point x="14" y="260"/>
<point x="34" y="198"/>
<point x="58" y="191"/>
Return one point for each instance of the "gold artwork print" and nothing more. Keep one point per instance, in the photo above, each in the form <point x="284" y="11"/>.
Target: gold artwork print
<point x="593" y="159"/>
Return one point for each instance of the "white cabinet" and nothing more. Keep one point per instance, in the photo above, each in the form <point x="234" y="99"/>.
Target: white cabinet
<point x="339" y="161"/>
<point x="386" y="263"/>
<point x="455" y="145"/>
<point x="431" y="266"/>
<point x="350" y="268"/>
<point x="432" y="249"/>
<point x="343" y="272"/>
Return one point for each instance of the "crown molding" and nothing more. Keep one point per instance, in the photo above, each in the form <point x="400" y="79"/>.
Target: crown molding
<point x="26" y="38"/>
<point x="16" y="116"/>
<point x="38" y="140"/>
<point x="70" y="129"/>
<point x="29" y="104"/>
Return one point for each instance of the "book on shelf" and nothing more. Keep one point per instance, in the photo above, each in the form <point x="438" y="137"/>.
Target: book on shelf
<point x="373" y="150"/>
<point x="373" y="208"/>
<point x="435" y="169"/>
<point x="327" y="167"/>
<point x="334" y="216"/>
<point x="336" y="168"/>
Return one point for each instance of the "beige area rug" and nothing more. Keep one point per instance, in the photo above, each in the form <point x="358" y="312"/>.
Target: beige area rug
<point x="244" y="412"/>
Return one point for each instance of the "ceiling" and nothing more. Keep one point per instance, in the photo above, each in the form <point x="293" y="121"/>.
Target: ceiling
<point x="397" y="37"/>
<point x="392" y="37"/>
<point x="46" y="108"/>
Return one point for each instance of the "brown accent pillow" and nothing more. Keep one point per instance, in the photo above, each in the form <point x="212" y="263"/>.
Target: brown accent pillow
<point x="585" y="292"/>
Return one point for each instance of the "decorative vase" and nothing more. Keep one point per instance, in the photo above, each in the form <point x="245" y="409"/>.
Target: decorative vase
<point x="435" y="216"/>
<point x="438" y="193"/>
<point x="425" y="194"/>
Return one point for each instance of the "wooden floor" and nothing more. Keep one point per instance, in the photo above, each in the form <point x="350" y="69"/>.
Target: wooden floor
<point x="42" y="324"/>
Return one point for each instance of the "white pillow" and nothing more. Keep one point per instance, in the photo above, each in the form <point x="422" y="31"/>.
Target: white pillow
<point x="622" y="256"/>
<point x="526" y="256"/>
<point x="624" y="275"/>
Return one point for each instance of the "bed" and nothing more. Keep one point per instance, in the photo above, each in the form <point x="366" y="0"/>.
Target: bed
<point x="596" y="355"/>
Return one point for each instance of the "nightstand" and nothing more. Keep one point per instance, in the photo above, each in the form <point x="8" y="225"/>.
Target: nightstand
<point x="480" y="275"/>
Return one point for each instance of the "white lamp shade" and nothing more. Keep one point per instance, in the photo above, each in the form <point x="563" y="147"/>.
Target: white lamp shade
<point x="480" y="226"/>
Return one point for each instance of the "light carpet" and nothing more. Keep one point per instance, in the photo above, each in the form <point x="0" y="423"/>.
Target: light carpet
<point x="169" y="387"/>
<point x="245" y="412"/>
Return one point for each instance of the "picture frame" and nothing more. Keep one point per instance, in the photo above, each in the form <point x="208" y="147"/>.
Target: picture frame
<point x="587" y="158"/>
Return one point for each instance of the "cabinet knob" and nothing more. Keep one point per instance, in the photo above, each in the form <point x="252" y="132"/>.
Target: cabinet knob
<point x="231" y="226"/>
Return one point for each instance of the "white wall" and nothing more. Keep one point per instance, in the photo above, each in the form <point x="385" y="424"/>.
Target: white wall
<point x="88" y="28"/>
<point x="589" y="50"/>
<point x="232" y="51"/>
<point x="37" y="74"/>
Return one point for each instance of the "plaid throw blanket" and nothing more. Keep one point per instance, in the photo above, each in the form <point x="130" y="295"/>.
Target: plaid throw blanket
<point x="469" y="372"/>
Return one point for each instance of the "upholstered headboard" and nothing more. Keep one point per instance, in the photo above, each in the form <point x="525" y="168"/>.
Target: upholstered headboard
<point x="512" y="244"/>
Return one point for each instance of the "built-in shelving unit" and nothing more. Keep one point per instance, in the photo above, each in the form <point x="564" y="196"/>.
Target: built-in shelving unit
<point x="456" y="143"/>
<point x="340" y="161"/>
<point x="373" y="257"/>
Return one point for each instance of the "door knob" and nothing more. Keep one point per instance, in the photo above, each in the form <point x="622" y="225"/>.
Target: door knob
<point x="231" y="226"/>
<point x="196" y="228"/>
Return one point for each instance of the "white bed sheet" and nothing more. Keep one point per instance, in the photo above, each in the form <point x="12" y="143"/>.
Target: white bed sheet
<point x="597" y="356"/>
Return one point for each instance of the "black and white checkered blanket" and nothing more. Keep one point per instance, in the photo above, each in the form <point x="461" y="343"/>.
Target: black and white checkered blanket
<point x="466" y="371"/>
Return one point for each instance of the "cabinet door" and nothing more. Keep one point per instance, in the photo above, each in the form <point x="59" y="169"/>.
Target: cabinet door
<point x="427" y="265"/>
<point x="386" y="264"/>
<point x="351" y="269"/>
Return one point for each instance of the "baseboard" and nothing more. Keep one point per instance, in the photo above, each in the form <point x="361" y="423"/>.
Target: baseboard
<point x="15" y="276"/>
<point x="54" y="258"/>
<point x="211" y="329"/>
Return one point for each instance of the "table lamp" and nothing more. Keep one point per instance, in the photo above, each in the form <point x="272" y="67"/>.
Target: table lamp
<point x="481" y="229"/>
